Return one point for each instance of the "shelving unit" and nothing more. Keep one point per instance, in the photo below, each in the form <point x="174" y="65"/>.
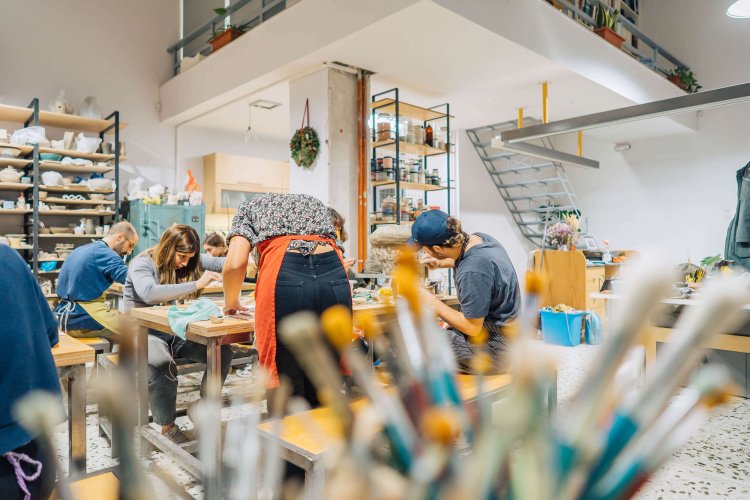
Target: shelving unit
<point x="389" y="103"/>
<point x="30" y="162"/>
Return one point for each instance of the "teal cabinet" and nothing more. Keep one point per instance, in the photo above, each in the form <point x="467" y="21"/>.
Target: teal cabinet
<point x="150" y="221"/>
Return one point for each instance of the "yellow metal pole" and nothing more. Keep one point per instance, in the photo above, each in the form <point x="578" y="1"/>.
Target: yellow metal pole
<point x="580" y="143"/>
<point x="545" y="102"/>
<point x="520" y="117"/>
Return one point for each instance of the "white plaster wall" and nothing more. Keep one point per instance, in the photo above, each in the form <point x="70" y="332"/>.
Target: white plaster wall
<point x="112" y="49"/>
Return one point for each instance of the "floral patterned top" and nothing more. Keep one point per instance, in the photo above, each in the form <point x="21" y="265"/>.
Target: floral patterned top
<point x="273" y="214"/>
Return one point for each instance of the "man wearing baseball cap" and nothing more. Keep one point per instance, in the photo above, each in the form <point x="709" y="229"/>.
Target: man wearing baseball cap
<point x="486" y="284"/>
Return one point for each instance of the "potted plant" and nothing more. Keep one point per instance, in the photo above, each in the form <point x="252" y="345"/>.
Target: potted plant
<point x="685" y="79"/>
<point x="606" y="24"/>
<point x="225" y="34"/>
<point x="558" y="236"/>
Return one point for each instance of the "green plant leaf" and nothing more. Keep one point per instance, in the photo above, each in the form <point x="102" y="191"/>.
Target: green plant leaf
<point x="221" y="11"/>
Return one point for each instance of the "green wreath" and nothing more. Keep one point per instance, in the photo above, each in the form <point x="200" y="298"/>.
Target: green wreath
<point x="305" y="146"/>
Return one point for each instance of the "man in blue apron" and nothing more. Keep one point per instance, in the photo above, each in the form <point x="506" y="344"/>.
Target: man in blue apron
<point x="86" y="275"/>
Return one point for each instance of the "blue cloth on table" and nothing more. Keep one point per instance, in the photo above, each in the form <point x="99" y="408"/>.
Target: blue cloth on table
<point x="180" y="317"/>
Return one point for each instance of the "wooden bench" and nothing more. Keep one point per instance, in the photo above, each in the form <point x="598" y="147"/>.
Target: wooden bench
<point x="305" y="447"/>
<point x="98" y="486"/>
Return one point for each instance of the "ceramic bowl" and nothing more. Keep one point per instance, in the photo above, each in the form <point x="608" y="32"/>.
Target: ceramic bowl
<point x="61" y="230"/>
<point x="50" y="156"/>
<point x="100" y="183"/>
<point x="96" y="196"/>
<point x="67" y="181"/>
<point x="52" y="178"/>
<point x="9" y="151"/>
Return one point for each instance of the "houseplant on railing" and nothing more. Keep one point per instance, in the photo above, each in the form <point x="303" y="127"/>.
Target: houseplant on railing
<point x="224" y="35"/>
<point x="606" y="24"/>
<point x="685" y="79"/>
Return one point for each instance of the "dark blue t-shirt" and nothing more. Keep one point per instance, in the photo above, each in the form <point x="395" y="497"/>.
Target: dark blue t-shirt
<point x="27" y="332"/>
<point x="487" y="285"/>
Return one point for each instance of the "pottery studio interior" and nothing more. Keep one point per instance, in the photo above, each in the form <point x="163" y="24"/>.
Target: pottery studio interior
<point x="393" y="249"/>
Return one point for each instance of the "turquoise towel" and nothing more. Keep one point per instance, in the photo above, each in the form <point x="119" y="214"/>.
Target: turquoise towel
<point x="180" y="317"/>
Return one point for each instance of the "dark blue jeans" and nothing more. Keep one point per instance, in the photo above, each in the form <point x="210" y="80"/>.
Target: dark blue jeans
<point x="307" y="283"/>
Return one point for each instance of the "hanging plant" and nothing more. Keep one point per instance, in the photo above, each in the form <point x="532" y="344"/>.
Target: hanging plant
<point x="305" y="145"/>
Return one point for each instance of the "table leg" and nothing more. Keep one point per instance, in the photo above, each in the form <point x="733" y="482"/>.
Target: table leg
<point x="212" y="483"/>
<point x="77" y="419"/>
<point x="141" y="385"/>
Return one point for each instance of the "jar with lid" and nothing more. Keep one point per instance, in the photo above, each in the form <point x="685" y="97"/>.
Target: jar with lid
<point x="444" y="138"/>
<point x="422" y="176"/>
<point x="383" y="126"/>
<point x="436" y="138"/>
<point x="411" y="136"/>
<point x="414" y="176"/>
<point x="419" y="134"/>
<point x="435" y="177"/>
<point x="406" y="209"/>
<point x="388" y="163"/>
<point x="389" y="207"/>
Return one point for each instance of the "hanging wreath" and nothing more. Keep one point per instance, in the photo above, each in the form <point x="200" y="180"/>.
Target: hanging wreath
<point x="305" y="145"/>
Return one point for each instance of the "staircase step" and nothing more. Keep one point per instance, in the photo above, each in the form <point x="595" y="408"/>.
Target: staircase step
<point x="499" y="156"/>
<point x="542" y="210"/>
<point x="530" y="183"/>
<point x="537" y="196"/>
<point x="539" y="166"/>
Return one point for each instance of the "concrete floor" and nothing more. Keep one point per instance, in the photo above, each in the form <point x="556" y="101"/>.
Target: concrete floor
<point x="715" y="463"/>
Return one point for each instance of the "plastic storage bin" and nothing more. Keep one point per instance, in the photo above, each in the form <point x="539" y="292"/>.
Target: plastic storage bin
<point x="562" y="328"/>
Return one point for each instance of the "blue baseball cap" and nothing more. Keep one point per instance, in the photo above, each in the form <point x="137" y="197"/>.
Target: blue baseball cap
<point x="430" y="228"/>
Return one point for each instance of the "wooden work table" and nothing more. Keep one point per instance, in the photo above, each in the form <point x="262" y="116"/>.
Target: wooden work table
<point x="737" y="343"/>
<point x="71" y="357"/>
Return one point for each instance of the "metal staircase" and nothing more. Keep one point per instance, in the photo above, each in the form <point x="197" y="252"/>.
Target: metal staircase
<point x="537" y="192"/>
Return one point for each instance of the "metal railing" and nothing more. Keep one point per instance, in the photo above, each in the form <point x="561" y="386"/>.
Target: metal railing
<point x="652" y="55"/>
<point x="265" y="10"/>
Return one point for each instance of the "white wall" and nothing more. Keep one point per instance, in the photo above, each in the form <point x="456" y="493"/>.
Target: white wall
<point x="111" y="49"/>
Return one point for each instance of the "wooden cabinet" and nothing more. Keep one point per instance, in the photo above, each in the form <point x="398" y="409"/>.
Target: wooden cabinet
<point x="570" y="281"/>
<point x="231" y="179"/>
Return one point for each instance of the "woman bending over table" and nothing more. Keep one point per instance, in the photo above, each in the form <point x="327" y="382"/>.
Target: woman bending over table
<point x="300" y="267"/>
<point x="172" y="270"/>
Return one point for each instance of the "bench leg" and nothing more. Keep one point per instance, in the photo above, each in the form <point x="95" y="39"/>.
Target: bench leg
<point x="141" y="386"/>
<point x="315" y="482"/>
<point x="77" y="419"/>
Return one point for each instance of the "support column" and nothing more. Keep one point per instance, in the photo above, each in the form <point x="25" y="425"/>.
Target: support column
<point x="333" y="115"/>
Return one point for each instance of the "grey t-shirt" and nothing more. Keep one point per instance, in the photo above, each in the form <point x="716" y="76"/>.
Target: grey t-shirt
<point x="487" y="285"/>
<point x="142" y="288"/>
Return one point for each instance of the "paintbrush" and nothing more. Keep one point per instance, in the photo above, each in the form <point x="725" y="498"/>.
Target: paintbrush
<point x="300" y="332"/>
<point x="719" y="310"/>
<point x="39" y="412"/>
<point x="336" y="322"/>
<point x="651" y="448"/>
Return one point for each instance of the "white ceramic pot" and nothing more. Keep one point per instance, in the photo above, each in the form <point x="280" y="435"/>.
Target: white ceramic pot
<point x="52" y="178"/>
<point x="10" y="174"/>
<point x="87" y="144"/>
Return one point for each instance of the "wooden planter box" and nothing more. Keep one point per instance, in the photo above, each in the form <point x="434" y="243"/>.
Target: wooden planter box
<point x="224" y="38"/>
<point x="610" y="36"/>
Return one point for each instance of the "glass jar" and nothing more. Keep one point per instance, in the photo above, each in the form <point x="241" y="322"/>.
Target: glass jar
<point x="389" y="207"/>
<point x="414" y="176"/>
<point x="383" y="127"/>
<point x="387" y="163"/>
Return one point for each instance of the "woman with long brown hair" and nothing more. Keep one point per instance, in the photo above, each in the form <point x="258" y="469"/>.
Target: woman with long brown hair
<point x="173" y="269"/>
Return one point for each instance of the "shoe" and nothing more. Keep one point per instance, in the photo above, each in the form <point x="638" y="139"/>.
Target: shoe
<point x="177" y="435"/>
<point x="244" y="372"/>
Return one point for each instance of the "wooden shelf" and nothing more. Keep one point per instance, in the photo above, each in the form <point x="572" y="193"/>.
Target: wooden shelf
<point x="14" y="162"/>
<point x="76" y="154"/>
<point x="14" y="186"/>
<point x="404" y="109"/>
<point x="56" y="120"/>
<point x="63" y="201"/>
<point x="410" y="185"/>
<point x="373" y="222"/>
<point x="15" y="211"/>
<point x="409" y="148"/>
<point x="25" y="150"/>
<point x="49" y="260"/>
<point x="74" y="169"/>
<point x="73" y="189"/>
<point x="71" y="235"/>
<point x="74" y="213"/>
<point x="56" y="271"/>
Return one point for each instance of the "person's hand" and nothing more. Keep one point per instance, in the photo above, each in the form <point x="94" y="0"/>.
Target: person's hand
<point x="207" y="278"/>
<point x="234" y="307"/>
<point x="432" y="263"/>
<point x="349" y="263"/>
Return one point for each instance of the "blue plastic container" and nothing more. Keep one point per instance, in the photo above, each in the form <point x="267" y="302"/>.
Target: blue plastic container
<point x="562" y="328"/>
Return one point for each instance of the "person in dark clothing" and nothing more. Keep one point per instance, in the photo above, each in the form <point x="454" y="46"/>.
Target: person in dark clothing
<point x="28" y="330"/>
<point x="486" y="285"/>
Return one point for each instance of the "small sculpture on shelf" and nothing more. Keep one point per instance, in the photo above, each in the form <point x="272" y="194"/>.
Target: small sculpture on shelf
<point x="60" y="104"/>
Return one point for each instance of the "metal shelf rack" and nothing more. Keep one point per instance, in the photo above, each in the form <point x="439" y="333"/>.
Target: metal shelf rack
<point x="31" y="164"/>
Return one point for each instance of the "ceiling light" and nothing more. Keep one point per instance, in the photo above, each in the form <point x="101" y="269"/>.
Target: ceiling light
<point x="263" y="104"/>
<point x="740" y="8"/>
<point x="622" y="146"/>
